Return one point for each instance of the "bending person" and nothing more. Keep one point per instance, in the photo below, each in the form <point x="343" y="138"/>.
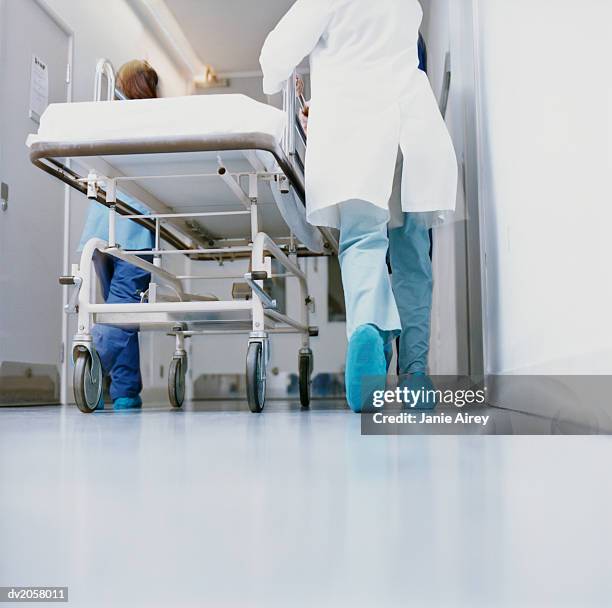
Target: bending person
<point x="352" y="149"/>
<point x="122" y="282"/>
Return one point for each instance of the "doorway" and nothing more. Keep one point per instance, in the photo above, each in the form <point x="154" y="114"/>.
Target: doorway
<point x="34" y="71"/>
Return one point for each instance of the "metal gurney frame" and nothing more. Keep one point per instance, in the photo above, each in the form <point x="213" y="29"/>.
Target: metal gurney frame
<point x="257" y="315"/>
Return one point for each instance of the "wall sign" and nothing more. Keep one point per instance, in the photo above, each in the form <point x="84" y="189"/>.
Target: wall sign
<point x="39" y="88"/>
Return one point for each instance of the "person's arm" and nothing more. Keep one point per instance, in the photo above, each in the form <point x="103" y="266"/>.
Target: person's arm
<point x="296" y="35"/>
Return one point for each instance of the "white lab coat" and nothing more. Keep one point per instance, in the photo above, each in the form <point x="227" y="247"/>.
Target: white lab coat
<point x="368" y="98"/>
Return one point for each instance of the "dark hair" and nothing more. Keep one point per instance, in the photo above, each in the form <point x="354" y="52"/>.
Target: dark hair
<point x="137" y="80"/>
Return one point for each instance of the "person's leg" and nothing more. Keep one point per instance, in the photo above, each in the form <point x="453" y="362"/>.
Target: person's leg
<point x="126" y="382"/>
<point x="367" y="287"/>
<point x="409" y="248"/>
<point x="111" y="342"/>
<point x="128" y="282"/>
<point x="372" y="317"/>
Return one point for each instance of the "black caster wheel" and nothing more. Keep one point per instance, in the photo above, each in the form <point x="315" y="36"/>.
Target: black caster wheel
<point x="176" y="381"/>
<point x="305" y="367"/>
<point x="256" y="377"/>
<point x="87" y="381"/>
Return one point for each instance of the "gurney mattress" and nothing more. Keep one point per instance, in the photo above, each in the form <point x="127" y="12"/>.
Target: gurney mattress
<point x="142" y="119"/>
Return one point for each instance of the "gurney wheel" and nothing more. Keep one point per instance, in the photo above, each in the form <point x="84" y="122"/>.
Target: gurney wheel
<point x="87" y="381"/>
<point x="305" y="366"/>
<point x="176" y="382"/>
<point x="256" y="377"/>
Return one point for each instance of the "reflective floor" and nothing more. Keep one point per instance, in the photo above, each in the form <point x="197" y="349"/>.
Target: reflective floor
<point x="214" y="506"/>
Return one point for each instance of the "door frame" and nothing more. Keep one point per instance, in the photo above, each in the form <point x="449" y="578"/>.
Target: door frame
<point x="480" y="152"/>
<point x="463" y="23"/>
<point x="64" y="359"/>
<point x="69" y="32"/>
<point x="2" y="56"/>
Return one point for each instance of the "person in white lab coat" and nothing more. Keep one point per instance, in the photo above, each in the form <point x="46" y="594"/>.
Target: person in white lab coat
<point x="370" y="48"/>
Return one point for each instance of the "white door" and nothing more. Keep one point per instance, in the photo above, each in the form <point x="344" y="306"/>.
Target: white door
<point x="31" y="226"/>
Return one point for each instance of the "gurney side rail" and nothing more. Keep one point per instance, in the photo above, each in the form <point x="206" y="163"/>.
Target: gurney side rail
<point x="45" y="154"/>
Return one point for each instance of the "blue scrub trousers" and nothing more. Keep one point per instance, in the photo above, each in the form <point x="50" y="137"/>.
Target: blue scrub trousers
<point x="412" y="280"/>
<point x="118" y="346"/>
<point x="399" y="304"/>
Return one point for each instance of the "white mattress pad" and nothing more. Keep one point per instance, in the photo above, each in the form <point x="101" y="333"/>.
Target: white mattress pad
<point x="144" y="119"/>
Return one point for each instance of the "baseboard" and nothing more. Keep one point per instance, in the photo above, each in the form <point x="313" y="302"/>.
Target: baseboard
<point x="28" y="384"/>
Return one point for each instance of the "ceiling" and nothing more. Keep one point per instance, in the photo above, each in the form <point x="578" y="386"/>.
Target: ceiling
<point x="228" y="34"/>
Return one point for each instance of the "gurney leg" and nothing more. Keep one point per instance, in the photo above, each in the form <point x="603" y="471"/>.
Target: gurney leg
<point x="263" y="243"/>
<point x="305" y="356"/>
<point x="157" y="262"/>
<point x="256" y="365"/>
<point x="258" y="352"/>
<point x="258" y="355"/>
<point x="178" y="370"/>
<point x="87" y="379"/>
<point x="305" y="366"/>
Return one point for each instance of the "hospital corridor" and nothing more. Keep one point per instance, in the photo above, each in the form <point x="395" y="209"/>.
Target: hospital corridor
<point x="305" y="303"/>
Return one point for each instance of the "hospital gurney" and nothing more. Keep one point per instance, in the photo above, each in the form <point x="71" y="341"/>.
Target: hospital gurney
<point x="223" y="181"/>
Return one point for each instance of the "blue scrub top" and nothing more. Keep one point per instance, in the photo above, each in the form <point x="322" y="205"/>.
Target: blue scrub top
<point x="422" y="53"/>
<point x="130" y="235"/>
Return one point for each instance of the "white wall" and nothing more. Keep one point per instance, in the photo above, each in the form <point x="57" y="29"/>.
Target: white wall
<point x="112" y="30"/>
<point x="251" y="85"/>
<point x="546" y="132"/>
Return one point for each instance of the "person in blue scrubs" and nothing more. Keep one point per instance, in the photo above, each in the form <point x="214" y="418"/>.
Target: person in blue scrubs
<point x="122" y="282"/>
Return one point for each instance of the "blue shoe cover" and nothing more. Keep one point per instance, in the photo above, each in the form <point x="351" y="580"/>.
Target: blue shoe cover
<point x="365" y="362"/>
<point x="127" y="403"/>
<point x="419" y="381"/>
